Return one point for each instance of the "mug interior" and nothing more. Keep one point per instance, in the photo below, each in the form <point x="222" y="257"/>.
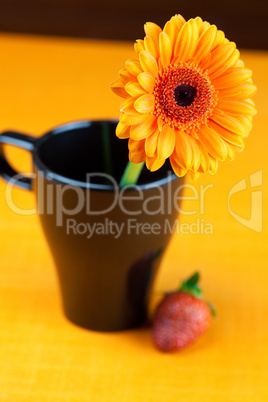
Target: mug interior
<point x="77" y="149"/>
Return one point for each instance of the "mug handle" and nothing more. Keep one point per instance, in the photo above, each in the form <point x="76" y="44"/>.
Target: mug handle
<point x="6" y="171"/>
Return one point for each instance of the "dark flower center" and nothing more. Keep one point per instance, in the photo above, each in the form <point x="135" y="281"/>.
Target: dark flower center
<point x="184" y="94"/>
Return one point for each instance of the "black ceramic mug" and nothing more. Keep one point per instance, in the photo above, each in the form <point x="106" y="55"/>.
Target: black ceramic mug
<point x="106" y="241"/>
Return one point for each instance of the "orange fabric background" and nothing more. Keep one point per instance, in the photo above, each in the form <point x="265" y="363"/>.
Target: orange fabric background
<point x="45" y="82"/>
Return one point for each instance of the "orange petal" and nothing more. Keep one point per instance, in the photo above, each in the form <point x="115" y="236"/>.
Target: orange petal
<point x="237" y="108"/>
<point x="205" y="61"/>
<point x="246" y="90"/>
<point x="227" y="135"/>
<point x="204" y="158"/>
<point x="220" y="56"/>
<point x="231" y="78"/>
<point x="145" y="103"/>
<point x="153" y="30"/>
<point x="205" y="26"/>
<point x="154" y="163"/>
<point x="160" y="65"/>
<point x="193" y="134"/>
<point x="250" y="102"/>
<point x="139" y="46"/>
<point x="148" y="63"/>
<point x="183" y="42"/>
<point x="205" y="43"/>
<point x="213" y="143"/>
<point x="118" y="88"/>
<point x="178" y="170"/>
<point x="151" y="47"/>
<point x="243" y="91"/>
<point x="136" y="146"/>
<point x="218" y="71"/>
<point x="196" y="154"/>
<point x="122" y="130"/>
<point x="246" y="123"/>
<point x="125" y="76"/>
<point x="132" y="119"/>
<point x="228" y="93"/>
<point x="230" y="152"/>
<point x="219" y="39"/>
<point x="172" y="29"/>
<point x="151" y="143"/>
<point x="213" y="165"/>
<point x="127" y="106"/>
<point x="183" y="151"/>
<point x="178" y="18"/>
<point x="166" y="142"/>
<point x="199" y="23"/>
<point x="160" y="123"/>
<point x="134" y="89"/>
<point x="240" y="64"/>
<point x="147" y="81"/>
<point x="133" y="66"/>
<point x="194" y="38"/>
<point x="231" y="61"/>
<point x="229" y="122"/>
<point x="193" y="175"/>
<point x="143" y="130"/>
<point x="165" y="49"/>
<point x="136" y="157"/>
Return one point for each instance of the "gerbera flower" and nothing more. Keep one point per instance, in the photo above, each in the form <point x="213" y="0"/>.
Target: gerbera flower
<point x="186" y="98"/>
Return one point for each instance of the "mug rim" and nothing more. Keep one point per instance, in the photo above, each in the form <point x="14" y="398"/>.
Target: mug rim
<point x="54" y="177"/>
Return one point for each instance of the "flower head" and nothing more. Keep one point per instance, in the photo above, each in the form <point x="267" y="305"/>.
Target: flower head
<point x="186" y="98"/>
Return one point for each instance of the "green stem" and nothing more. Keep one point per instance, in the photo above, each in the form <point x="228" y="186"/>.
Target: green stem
<point x="131" y="174"/>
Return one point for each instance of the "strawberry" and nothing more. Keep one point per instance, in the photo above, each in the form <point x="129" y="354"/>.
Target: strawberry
<point x="181" y="317"/>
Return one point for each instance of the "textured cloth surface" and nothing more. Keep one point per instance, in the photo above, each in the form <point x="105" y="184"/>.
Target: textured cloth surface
<point x="43" y="357"/>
